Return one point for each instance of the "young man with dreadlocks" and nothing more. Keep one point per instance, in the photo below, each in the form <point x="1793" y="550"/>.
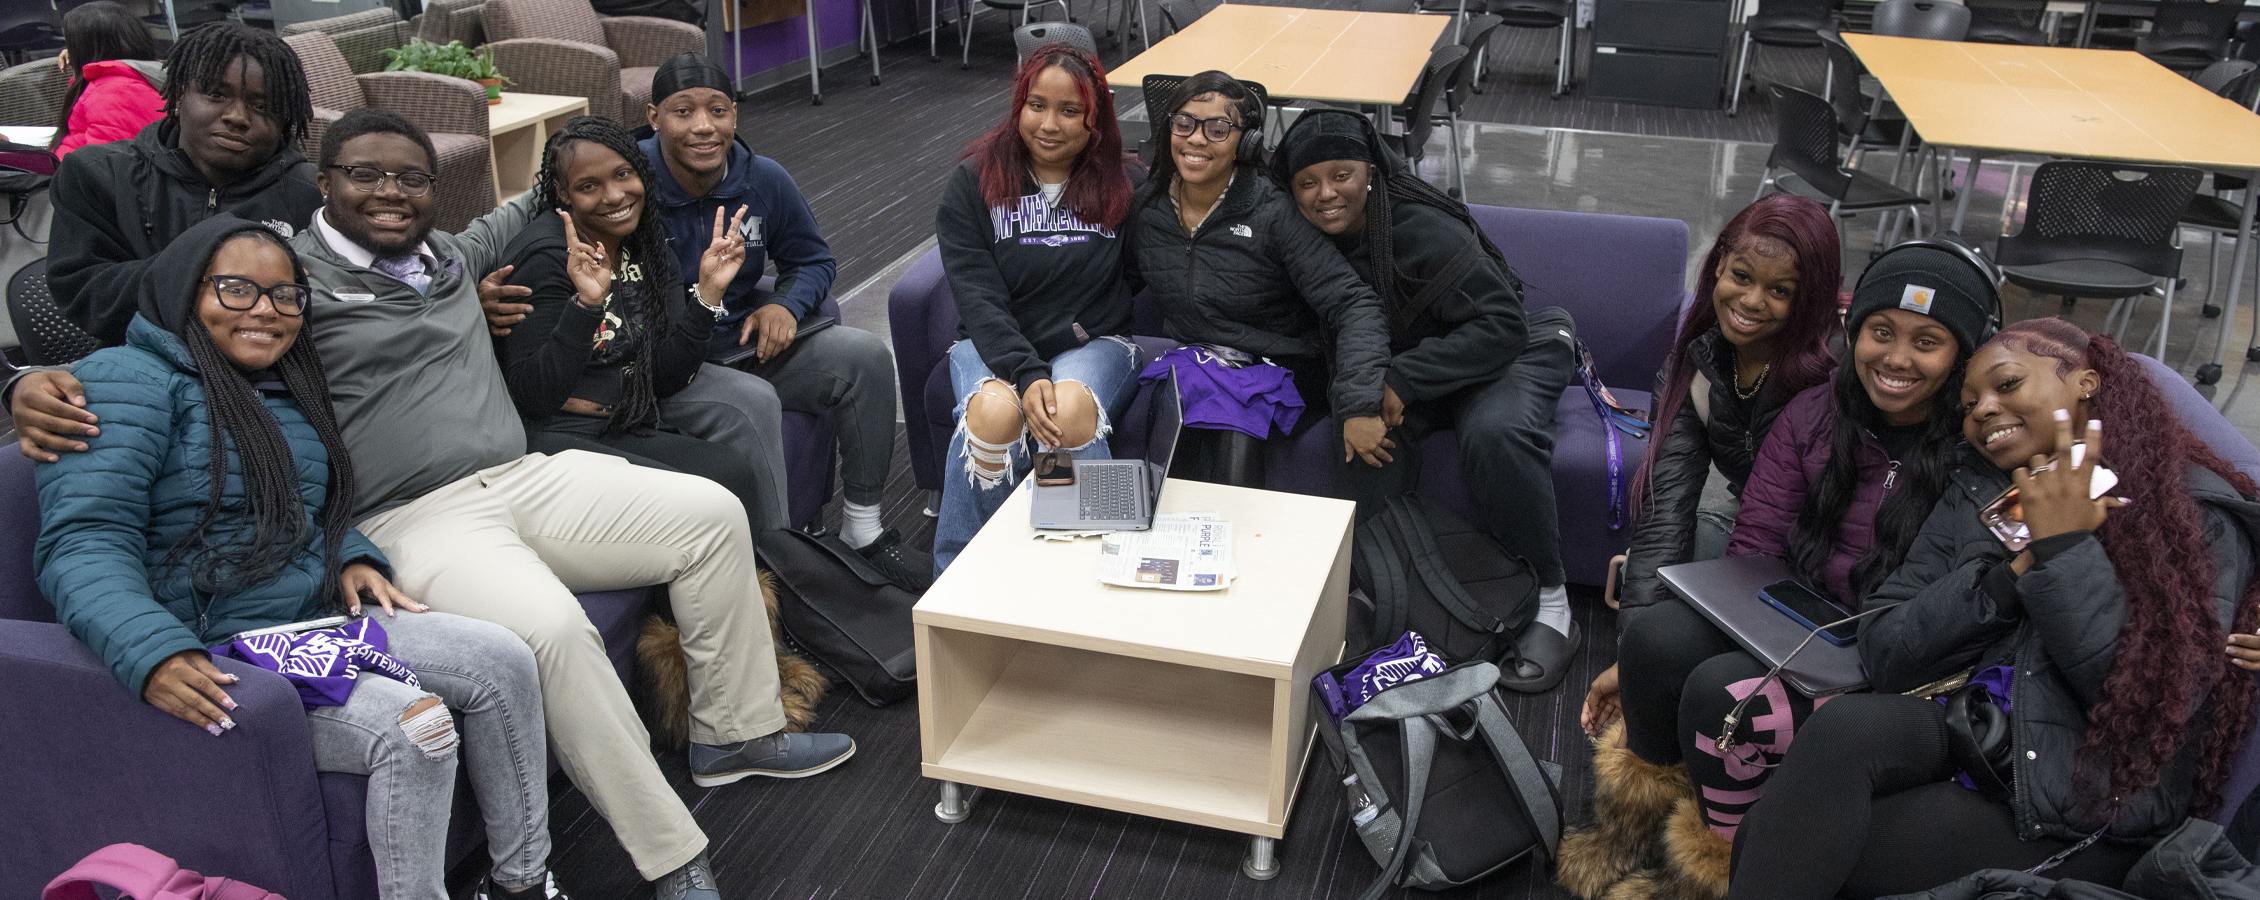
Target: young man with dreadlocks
<point x="235" y="103"/>
<point x="1462" y="354"/>
<point x="476" y="526"/>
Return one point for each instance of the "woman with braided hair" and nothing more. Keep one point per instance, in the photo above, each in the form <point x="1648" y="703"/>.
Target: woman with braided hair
<point x="1462" y="354"/>
<point x="218" y="499"/>
<point x="613" y="328"/>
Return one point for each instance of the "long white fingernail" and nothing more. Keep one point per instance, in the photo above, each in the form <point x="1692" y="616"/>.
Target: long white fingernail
<point x="2063" y="415"/>
<point x="2095" y="424"/>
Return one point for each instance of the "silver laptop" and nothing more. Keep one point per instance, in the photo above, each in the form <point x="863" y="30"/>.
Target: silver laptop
<point x="1116" y="494"/>
<point x="1725" y="591"/>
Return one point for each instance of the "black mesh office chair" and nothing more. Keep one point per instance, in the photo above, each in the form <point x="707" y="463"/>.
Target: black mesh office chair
<point x="1176" y="14"/>
<point x="1538" y="15"/>
<point x="1805" y="143"/>
<point x="1153" y="93"/>
<point x="2102" y="230"/>
<point x="1027" y="38"/>
<point x="1779" y="23"/>
<point x="1421" y="117"/>
<point x="966" y="9"/>
<point x="49" y="338"/>
<point x="1476" y="37"/>
<point x="2233" y="80"/>
<point x="1930" y="20"/>
<point x="2007" y="22"/>
<point x="2188" y="35"/>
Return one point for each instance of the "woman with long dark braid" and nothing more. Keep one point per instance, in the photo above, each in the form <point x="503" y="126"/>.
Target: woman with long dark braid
<point x="1462" y="355"/>
<point x="217" y="500"/>
<point x="613" y="328"/>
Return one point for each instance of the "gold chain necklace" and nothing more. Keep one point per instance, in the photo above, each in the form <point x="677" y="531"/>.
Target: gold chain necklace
<point x="1763" y="371"/>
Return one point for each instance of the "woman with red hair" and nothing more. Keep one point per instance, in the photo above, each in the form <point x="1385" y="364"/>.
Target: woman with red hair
<point x="1027" y="230"/>
<point x="2097" y="632"/>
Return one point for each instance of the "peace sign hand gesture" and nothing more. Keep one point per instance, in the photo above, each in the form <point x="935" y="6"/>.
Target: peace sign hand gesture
<point x="718" y="266"/>
<point x="585" y="264"/>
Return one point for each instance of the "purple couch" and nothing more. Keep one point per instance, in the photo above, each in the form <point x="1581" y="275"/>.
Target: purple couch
<point x="1621" y="277"/>
<point x="84" y="764"/>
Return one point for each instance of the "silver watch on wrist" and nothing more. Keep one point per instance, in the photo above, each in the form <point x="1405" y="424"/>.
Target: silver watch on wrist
<point x="716" y="308"/>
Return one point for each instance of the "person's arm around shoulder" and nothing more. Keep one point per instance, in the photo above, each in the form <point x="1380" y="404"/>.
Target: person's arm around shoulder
<point x="488" y="235"/>
<point x="47" y="407"/>
<point x="1345" y="301"/>
<point x="1774" y="495"/>
<point x="1486" y="302"/>
<point x="92" y="270"/>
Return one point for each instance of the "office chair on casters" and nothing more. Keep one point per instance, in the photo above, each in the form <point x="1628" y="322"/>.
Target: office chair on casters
<point x="1805" y="140"/>
<point x="1476" y="37"/>
<point x="2188" y="35"/>
<point x="1779" y="23"/>
<point x="2007" y="22"/>
<point x="1930" y="20"/>
<point x="2233" y="80"/>
<point x="1420" y="117"/>
<point x="965" y="11"/>
<point x="1027" y="38"/>
<point x="49" y="338"/>
<point x="2102" y="230"/>
<point x="1175" y="15"/>
<point x="1539" y="15"/>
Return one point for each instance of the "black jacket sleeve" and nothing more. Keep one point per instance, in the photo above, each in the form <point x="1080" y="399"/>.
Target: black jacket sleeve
<point x="91" y="268"/>
<point x="1486" y="304"/>
<point x="1351" y="310"/>
<point x="984" y="302"/>
<point x="683" y="349"/>
<point x="543" y="357"/>
<point x="1665" y="533"/>
<point x="1945" y="619"/>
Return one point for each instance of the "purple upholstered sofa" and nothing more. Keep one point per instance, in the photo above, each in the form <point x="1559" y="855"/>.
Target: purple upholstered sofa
<point x="1621" y="277"/>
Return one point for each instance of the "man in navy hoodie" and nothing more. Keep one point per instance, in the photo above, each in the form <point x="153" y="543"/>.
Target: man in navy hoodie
<point x="701" y="166"/>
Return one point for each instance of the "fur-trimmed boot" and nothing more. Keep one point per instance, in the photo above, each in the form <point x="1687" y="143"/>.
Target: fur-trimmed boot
<point x="664" y="685"/>
<point x="1631" y="799"/>
<point x="1697" y="861"/>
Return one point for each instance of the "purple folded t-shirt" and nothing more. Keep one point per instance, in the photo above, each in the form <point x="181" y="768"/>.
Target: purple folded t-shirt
<point x="1251" y="399"/>
<point x="322" y="664"/>
<point x="1409" y="659"/>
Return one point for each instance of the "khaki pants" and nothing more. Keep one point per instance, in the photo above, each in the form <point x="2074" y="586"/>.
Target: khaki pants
<point x="512" y="543"/>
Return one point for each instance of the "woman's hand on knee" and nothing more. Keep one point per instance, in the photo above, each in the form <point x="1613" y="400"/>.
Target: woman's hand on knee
<point x="187" y="685"/>
<point x="1602" y="703"/>
<point x="363" y="582"/>
<point x="1039" y="407"/>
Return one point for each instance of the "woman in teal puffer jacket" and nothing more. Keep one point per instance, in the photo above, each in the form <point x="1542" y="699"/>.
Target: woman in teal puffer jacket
<point x="153" y="548"/>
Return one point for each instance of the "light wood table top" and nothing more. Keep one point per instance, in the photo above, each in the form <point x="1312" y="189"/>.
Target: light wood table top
<point x="1310" y="54"/>
<point x="518" y="110"/>
<point x="2059" y="101"/>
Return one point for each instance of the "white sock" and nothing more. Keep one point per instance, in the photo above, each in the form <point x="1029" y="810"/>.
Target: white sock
<point x="859" y="526"/>
<point x="1553" y="608"/>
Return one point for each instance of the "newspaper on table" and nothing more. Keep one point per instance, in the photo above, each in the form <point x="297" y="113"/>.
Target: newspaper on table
<point x="1190" y="551"/>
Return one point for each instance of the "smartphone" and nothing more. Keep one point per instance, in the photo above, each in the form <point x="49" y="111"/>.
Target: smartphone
<point x="808" y="326"/>
<point x="1055" y="467"/>
<point x="2005" y="516"/>
<point x="295" y="627"/>
<point x="1805" y="607"/>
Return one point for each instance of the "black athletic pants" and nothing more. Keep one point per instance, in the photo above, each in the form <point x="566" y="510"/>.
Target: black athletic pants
<point x="653" y="448"/>
<point x="1864" y="809"/>
<point x="1659" y="649"/>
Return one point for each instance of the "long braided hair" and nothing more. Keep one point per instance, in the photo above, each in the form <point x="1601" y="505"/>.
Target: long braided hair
<point x="217" y="560"/>
<point x="203" y="56"/>
<point x="646" y="306"/>
<point x="1395" y="184"/>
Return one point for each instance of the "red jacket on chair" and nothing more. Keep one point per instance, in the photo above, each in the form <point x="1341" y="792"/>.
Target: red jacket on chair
<point x="118" y="102"/>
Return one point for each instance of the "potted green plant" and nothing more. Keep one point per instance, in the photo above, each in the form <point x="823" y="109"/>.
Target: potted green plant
<point x="451" y="59"/>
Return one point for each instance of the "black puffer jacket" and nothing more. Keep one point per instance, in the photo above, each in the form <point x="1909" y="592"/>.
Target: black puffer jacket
<point x="1471" y="332"/>
<point x="2058" y="624"/>
<point x="1665" y="534"/>
<point x="117" y="204"/>
<point x="1259" y="278"/>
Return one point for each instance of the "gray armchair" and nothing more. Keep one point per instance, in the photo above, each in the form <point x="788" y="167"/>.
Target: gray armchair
<point x="451" y="110"/>
<point x="362" y="37"/>
<point x="562" y="47"/>
<point x="451" y="20"/>
<point x="32" y="93"/>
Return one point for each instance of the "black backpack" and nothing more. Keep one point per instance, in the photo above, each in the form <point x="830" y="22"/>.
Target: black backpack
<point x="1425" y="570"/>
<point x="1442" y="789"/>
<point x="833" y="604"/>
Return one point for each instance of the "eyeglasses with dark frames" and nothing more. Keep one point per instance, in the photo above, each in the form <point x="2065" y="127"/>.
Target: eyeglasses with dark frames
<point x="1217" y="129"/>
<point x="239" y="293"/>
<point x="368" y="179"/>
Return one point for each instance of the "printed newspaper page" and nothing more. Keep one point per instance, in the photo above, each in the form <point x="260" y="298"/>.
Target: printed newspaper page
<point x="1183" y="552"/>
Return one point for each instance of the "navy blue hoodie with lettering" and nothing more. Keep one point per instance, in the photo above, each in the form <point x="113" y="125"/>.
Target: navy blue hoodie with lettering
<point x="779" y="229"/>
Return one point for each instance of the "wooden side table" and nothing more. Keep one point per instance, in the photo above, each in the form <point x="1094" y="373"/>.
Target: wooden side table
<point x="1189" y="706"/>
<point x="517" y="129"/>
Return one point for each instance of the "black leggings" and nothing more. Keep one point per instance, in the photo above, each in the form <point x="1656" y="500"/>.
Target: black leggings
<point x="666" y="450"/>
<point x="1864" y="809"/>
<point x="1660" y="648"/>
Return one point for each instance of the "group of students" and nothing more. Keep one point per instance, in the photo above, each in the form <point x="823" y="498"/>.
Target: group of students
<point x="1866" y="464"/>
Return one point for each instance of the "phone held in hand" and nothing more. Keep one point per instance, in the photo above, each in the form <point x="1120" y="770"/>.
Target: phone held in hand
<point x="1808" y="608"/>
<point x="2005" y="516"/>
<point x="1055" y="467"/>
<point x="295" y="627"/>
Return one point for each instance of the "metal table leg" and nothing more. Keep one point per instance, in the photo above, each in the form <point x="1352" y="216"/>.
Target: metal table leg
<point x="1260" y="865"/>
<point x="1969" y="186"/>
<point x="815" y="61"/>
<point x="870" y="27"/>
<point x="957" y="803"/>
<point x="2211" y="372"/>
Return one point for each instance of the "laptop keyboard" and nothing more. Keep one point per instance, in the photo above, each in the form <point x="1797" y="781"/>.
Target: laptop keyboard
<point x="1107" y="492"/>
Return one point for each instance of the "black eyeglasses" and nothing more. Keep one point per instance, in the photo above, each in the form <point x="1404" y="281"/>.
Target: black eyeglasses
<point x="1217" y="129"/>
<point x="239" y="293"/>
<point x="368" y="179"/>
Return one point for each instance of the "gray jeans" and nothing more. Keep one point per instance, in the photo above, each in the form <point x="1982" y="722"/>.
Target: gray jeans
<point x="844" y="370"/>
<point x="739" y="411"/>
<point x="485" y="674"/>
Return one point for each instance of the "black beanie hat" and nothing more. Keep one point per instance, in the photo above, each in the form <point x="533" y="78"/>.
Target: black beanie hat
<point x="686" y="71"/>
<point x="1931" y="281"/>
<point x="1323" y="138"/>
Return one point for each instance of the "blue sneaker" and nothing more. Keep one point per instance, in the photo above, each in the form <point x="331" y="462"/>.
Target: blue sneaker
<point x="780" y="755"/>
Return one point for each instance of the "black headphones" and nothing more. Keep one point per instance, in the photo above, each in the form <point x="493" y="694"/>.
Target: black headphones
<point x="1974" y="257"/>
<point x="1251" y="136"/>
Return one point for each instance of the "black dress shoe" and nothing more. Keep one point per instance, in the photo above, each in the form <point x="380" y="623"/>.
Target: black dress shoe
<point x="905" y="566"/>
<point x="1541" y="657"/>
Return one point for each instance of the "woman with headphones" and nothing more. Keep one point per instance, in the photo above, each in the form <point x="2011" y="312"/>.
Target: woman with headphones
<point x="1843" y="482"/>
<point x="1463" y="355"/>
<point x="1253" y="289"/>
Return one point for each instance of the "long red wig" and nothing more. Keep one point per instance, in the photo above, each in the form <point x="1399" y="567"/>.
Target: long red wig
<point x="1804" y="360"/>
<point x="2169" y="667"/>
<point x="1097" y="190"/>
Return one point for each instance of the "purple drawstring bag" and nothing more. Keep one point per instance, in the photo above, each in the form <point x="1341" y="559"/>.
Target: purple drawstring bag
<point x="322" y="664"/>
<point x="1409" y="659"/>
<point x="1252" y="399"/>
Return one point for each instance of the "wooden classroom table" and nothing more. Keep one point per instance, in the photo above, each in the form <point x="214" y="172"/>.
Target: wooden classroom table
<point x="1310" y="54"/>
<point x="517" y="128"/>
<point x="2001" y="99"/>
<point x="1190" y="706"/>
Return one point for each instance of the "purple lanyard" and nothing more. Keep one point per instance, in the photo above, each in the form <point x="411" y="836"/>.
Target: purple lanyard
<point x="1614" y="418"/>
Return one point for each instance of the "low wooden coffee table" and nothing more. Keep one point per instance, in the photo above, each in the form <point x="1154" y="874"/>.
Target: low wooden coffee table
<point x="1035" y="678"/>
<point x="517" y="129"/>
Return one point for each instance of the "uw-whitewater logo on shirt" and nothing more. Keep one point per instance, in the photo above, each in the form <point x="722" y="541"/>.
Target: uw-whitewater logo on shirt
<point x="1054" y="240"/>
<point x="1033" y="216"/>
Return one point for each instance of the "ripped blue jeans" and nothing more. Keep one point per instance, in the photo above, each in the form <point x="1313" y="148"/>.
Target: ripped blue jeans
<point x="1108" y="366"/>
